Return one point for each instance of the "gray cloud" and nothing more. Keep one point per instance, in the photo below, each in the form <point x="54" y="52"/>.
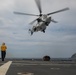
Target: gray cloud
<point x="59" y="39"/>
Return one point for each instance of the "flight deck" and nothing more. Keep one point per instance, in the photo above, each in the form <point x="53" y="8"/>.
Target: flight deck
<point x="29" y="67"/>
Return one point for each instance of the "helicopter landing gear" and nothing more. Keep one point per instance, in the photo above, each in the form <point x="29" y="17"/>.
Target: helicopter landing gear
<point x="31" y="31"/>
<point x="46" y="23"/>
<point x="43" y="31"/>
<point x="35" y="29"/>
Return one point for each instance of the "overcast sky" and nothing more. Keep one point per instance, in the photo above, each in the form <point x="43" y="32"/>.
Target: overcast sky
<point x="59" y="40"/>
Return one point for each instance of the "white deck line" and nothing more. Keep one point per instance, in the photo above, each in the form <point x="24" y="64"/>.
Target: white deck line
<point x="4" y="68"/>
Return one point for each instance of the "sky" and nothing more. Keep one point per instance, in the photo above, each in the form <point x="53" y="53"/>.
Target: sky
<point x="59" y="40"/>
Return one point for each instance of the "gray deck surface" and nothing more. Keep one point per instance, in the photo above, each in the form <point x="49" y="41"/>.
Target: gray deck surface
<point x="41" y="68"/>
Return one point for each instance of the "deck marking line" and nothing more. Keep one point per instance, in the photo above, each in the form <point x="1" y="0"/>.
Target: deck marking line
<point x="4" y="68"/>
<point x="27" y="73"/>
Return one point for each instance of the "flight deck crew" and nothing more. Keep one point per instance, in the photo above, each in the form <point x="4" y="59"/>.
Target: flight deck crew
<point x="3" y="51"/>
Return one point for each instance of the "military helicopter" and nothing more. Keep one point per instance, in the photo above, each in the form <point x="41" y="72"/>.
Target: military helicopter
<point x="43" y="20"/>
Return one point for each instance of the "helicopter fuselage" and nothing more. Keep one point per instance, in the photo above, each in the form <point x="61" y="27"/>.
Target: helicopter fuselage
<point x="41" y="26"/>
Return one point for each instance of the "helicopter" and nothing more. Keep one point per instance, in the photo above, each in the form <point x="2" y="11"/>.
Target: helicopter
<point x="43" y="20"/>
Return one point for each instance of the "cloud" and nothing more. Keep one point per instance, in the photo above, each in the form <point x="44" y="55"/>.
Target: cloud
<point x="57" y="41"/>
<point x="6" y="5"/>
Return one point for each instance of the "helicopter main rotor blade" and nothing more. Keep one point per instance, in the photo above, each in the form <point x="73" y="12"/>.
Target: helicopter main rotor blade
<point x="32" y="22"/>
<point x="39" y="5"/>
<point x="54" y="21"/>
<point x="58" y="11"/>
<point x="20" y="13"/>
